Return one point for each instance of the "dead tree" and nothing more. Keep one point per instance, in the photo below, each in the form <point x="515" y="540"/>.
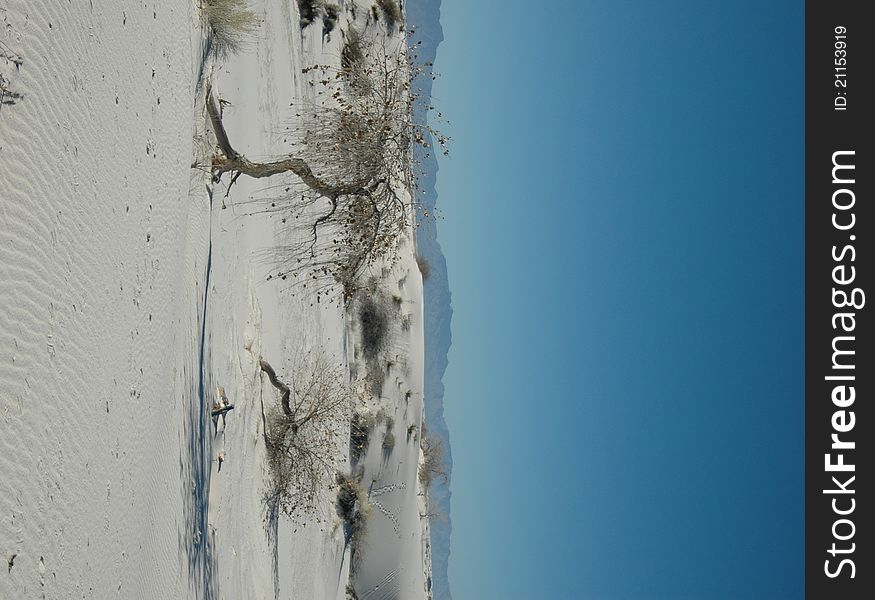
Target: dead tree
<point x="352" y="161"/>
<point x="301" y="432"/>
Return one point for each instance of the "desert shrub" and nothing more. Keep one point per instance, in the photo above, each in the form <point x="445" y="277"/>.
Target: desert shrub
<point x="352" y="55"/>
<point x="355" y="510"/>
<point x="230" y="22"/>
<point x="309" y="10"/>
<point x="391" y="13"/>
<point x="360" y="429"/>
<point x="351" y="156"/>
<point x="432" y="466"/>
<point x="374" y="323"/>
<point x="424" y="267"/>
<point x="300" y="431"/>
<point x="388" y="441"/>
<point x="329" y="18"/>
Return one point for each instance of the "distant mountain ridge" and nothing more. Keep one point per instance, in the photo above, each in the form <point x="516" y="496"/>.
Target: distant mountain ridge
<point x="424" y="17"/>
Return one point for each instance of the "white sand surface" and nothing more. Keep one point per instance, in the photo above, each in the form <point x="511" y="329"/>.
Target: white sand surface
<point x="128" y="294"/>
<point x="101" y="262"/>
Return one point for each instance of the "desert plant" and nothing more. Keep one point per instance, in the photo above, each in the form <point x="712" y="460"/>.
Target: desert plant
<point x="391" y="13"/>
<point x="432" y="465"/>
<point x="354" y="162"/>
<point x="330" y="12"/>
<point x="354" y="509"/>
<point x="308" y="11"/>
<point x="360" y="428"/>
<point x="388" y="441"/>
<point x="424" y="266"/>
<point x="374" y="325"/>
<point x="230" y="22"/>
<point x="352" y="55"/>
<point x="300" y="430"/>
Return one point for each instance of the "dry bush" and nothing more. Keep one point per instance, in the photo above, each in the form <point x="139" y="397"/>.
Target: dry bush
<point x="424" y="266"/>
<point x="330" y="12"/>
<point x="352" y="55"/>
<point x="432" y="466"/>
<point x="374" y="324"/>
<point x="309" y="10"/>
<point x="391" y="13"/>
<point x="352" y="153"/>
<point x="301" y="431"/>
<point x="360" y="428"/>
<point x="355" y="510"/>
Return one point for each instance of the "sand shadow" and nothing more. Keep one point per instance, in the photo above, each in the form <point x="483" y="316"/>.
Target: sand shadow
<point x="197" y="541"/>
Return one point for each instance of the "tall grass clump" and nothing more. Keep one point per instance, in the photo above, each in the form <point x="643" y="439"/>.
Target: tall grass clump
<point x="231" y="22"/>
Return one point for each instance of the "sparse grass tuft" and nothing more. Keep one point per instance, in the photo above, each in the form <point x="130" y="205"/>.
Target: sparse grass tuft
<point x="231" y="22"/>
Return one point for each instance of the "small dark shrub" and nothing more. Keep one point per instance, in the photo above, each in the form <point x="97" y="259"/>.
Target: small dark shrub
<point x="329" y="18"/>
<point x="360" y="430"/>
<point x="424" y="267"/>
<point x="355" y="510"/>
<point x="309" y="11"/>
<point x="391" y="13"/>
<point x="374" y="326"/>
<point x="352" y="55"/>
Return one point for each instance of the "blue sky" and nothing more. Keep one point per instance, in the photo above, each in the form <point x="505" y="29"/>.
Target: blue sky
<point x="623" y="226"/>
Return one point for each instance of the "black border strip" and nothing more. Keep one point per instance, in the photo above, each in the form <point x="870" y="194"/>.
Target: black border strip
<point x="839" y="106"/>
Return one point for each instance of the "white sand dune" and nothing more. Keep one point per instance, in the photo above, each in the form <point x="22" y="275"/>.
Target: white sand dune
<point x="100" y="256"/>
<point x="128" y="295"/>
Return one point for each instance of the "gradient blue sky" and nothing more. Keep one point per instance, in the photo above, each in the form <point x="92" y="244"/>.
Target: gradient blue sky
<point x="623" y="226"/>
